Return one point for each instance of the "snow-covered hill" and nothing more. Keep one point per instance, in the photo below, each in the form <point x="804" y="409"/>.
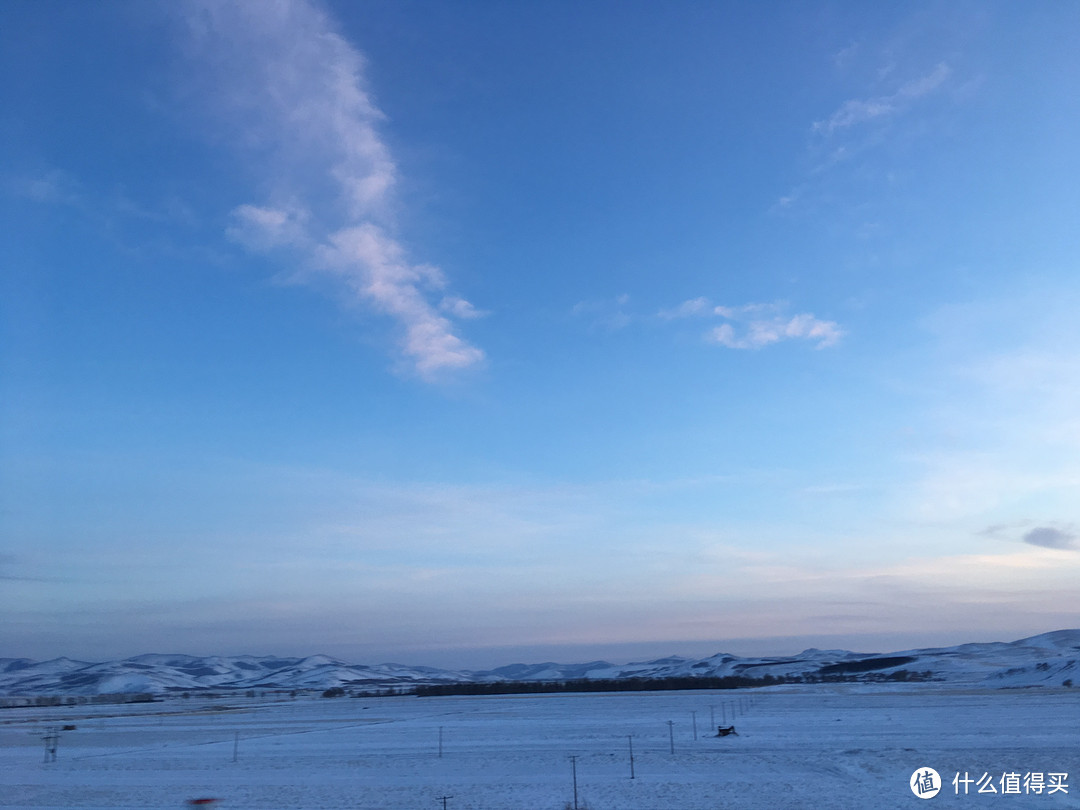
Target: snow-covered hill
<point x="158" y="674"/>
<point x="1041" y="660"/>
<point x="1045" y="660"/>
<point x="1051" y="659"/>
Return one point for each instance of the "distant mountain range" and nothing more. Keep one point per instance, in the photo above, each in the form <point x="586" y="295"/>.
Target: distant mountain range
<point x="1050" y="660"/>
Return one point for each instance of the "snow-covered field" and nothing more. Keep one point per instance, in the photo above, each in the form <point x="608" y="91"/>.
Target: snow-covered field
<point x="843" y="746"/>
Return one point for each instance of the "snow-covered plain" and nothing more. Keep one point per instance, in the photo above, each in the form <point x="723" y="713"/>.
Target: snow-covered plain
<point x="834" y="746"/>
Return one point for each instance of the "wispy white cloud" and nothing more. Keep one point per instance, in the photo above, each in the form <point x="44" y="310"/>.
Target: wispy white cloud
<point x="858" y="111"/>
<point x="54" y="187"/>
<point x="757" y="334"/>
<point x="265" y="228"/>
<point x="842" y="58"/>
<point x="291" y="91"/>
<point x="460" y="308"/>
<point x="750" y="311"/>
<point x="375" y="267"/>
<point x="687" y="309"/>
<point x="756" y="325"/>
<point x="857" y="128"/>
<point x="925" y="84"/>
<point x="608" y="313"/>
<point x="789" y="199"/>
<point x="132" y="224"/>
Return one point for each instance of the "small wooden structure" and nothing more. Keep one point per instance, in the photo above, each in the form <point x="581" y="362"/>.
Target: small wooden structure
<point x="723" y="731"/>
<point x="52" y="742"/>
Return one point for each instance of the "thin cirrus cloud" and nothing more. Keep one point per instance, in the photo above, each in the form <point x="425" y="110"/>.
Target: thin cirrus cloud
<point x="608" y="314"/>
<point x="55" y="187"/>
<point x="687" y="309"/>
<point x="289" y="90"/>
<point x="859" y="110"/>
<point x="760" y="333"/>
<point x="850" y="130"/>
<point x="755" y="326"/>
<point x="259" y="228"/>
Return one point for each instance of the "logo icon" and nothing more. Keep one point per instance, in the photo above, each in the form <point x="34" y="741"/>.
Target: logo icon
<point x="925" y="783"/>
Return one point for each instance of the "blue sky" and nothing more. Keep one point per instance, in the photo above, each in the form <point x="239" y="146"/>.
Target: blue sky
<point x="462" y="333"/>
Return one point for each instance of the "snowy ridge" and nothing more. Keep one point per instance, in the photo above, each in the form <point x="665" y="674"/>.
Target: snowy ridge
<point x="159" y="674"/>
<point x="1050" y="659"/>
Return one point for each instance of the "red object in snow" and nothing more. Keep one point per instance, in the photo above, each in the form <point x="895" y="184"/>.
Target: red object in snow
<point x="202" y="802"/>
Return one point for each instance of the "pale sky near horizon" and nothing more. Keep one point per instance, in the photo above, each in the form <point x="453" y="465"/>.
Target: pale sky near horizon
<point x="468" y="332"/>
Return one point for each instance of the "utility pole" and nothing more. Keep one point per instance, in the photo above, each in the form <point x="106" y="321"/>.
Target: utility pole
<point x="440" y="742"/>
<point x="671" y="734"/>
<point x="235" y="746"/>
<point x="712" y="717"/>
<point x="573" y="764"/>
<point x="693" y="719"/>
<point x="630" y="739"/>
<point x="443" y="800"/>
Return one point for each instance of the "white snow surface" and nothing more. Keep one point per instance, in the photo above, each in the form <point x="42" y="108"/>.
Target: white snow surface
<point x="826" y="746"/>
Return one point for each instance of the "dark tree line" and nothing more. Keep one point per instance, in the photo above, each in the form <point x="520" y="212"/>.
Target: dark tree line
<point x="656" y="684"/>
<point x="597" y="685"/>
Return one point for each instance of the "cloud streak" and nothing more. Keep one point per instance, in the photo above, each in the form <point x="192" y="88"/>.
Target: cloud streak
<point x="760" y="333"/>
<point x="290" y="92"/>
<point x="687" y="309"/>
<point x="607" y="314"/>
<point x="375" y="267"/>
<point x="857" y="128"/>
<point x="755" y="326"/>
<point x="54" y="187"/>
<point x="859" y="111"/>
